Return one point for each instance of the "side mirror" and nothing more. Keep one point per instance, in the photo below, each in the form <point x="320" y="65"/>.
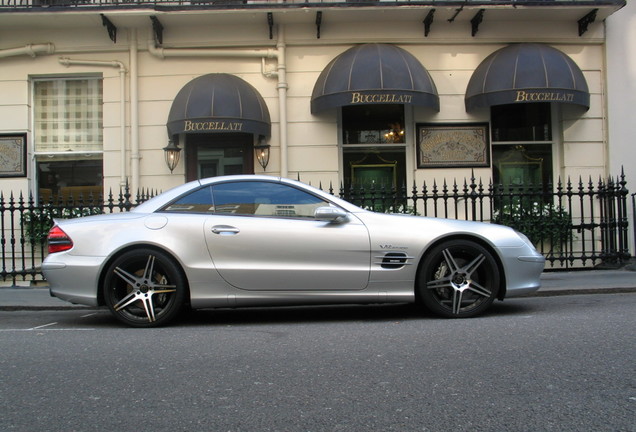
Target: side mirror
<point x="330" y="214"/>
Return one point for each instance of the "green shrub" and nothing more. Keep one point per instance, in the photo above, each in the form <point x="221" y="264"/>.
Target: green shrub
<point x="545" y="223"/>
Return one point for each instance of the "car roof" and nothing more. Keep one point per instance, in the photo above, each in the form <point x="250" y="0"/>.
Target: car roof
<point x="160" y="200"/>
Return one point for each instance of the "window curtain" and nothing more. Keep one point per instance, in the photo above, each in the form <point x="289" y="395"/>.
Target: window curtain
<point x="68" y="116"/>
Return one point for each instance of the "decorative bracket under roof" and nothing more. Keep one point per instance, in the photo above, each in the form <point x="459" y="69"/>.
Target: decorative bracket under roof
<point x="457" y="12"/>
<point x="270" y="23"/>
<point x="157" y="29"/>
<point x="318" y="22"/>
<point x="428" y="21"/>
<point x="586" y="21"/>
<point x="477" y="19"/>
<point x="112" y="30"/>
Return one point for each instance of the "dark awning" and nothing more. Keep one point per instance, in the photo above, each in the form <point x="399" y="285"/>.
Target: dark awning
<point x="525" y="73"/>
<point x="218" y="103"/>
<point x="374" y="74"/>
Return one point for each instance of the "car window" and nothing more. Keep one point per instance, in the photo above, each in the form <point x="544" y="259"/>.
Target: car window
<point x="198" y="201"/>
<point x="264" y="199"/>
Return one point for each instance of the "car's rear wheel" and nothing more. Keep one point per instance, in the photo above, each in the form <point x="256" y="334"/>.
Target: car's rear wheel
<point x="458" y="279"/>
<point x="144" y="288"/>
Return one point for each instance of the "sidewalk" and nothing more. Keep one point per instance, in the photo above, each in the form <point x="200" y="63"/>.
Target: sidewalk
<point x="552" y="283"/>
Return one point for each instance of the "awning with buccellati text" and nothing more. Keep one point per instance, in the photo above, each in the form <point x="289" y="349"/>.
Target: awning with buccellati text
<point x="374" y="74"/>
<point x="527" y="73"/>
<point x="219" y="103"/>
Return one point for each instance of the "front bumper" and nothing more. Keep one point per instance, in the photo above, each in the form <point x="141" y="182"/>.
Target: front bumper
<point x="523" y="273"/>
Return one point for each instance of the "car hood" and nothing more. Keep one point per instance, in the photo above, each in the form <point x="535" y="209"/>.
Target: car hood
<point x="431" y="228"/>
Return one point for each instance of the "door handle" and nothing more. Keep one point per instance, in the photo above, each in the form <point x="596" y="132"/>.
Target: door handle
<point x="225" y="229"/>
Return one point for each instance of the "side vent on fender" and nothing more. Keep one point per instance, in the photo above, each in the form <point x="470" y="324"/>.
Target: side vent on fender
<point x="394" y="260"/>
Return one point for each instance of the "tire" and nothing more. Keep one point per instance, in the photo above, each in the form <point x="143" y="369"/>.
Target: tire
<point x="458" y="279"/>
<point x="144" y="288"/>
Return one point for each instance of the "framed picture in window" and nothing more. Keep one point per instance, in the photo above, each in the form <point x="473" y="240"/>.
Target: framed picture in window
<point x="454" y="145"/>
<point x="13" y="155"/>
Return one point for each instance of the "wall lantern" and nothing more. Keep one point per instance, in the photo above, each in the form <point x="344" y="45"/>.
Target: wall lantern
<point x="172" y="153"/>
<point x="262" y="151"/>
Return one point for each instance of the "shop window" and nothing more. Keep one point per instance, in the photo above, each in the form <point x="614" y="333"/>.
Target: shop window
<point x="374" y="149"/>
<point x="68" y="138"/>
<point x="522" y="145"/>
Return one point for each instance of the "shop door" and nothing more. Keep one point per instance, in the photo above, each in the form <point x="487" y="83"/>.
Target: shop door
<point x="211" y="155"/>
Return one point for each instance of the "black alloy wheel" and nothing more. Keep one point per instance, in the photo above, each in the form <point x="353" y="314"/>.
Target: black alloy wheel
<point x="144" y="288"/>
<point x="458" y="279"/>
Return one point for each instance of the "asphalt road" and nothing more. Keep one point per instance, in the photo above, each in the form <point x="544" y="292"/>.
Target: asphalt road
<point x="534" y="364"/>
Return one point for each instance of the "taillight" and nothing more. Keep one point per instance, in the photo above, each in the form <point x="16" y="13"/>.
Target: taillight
<point x="59" y="241"/>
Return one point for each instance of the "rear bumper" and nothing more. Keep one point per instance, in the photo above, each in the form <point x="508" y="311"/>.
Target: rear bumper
<point x="73" y="279"/>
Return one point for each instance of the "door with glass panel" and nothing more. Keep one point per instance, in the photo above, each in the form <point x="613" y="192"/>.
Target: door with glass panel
<point x="211" y="155"/>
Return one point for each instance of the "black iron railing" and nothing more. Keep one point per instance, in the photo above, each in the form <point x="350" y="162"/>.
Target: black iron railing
<point x="574" y="225"/>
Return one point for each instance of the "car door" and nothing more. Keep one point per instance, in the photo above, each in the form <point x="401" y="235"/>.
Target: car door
<point x="263" y="236"/>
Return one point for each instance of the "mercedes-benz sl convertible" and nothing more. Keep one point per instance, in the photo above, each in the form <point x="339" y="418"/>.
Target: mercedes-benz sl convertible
<point x="236" y="241"/>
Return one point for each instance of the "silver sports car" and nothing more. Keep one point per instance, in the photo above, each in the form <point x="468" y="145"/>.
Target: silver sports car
<point x="257" y="240"/>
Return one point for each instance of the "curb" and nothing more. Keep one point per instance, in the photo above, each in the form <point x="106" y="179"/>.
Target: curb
<point x="46" y="308"/>
<point x="579" y="291"/>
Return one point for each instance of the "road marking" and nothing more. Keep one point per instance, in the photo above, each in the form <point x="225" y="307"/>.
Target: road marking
<point x="42" y="326"/>
<point x="42" y="330"/>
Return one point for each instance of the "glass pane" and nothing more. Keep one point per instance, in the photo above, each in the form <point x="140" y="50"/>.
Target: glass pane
<point x="65" y="179"/>
<point x="374" y="168"/>
<point x="214" y="160"/>
<point x="522" y="166"/>
<point x="68" y="115"/>
<point x="199" y="201"/>
<point x="264" y="199"/>
<point x="373" y="124"/>
<point x="521" y="122"/>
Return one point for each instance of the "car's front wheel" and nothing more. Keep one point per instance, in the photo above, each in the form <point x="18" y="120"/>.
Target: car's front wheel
<point x="144" y="288"/>
<point x="458" y="279"/>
